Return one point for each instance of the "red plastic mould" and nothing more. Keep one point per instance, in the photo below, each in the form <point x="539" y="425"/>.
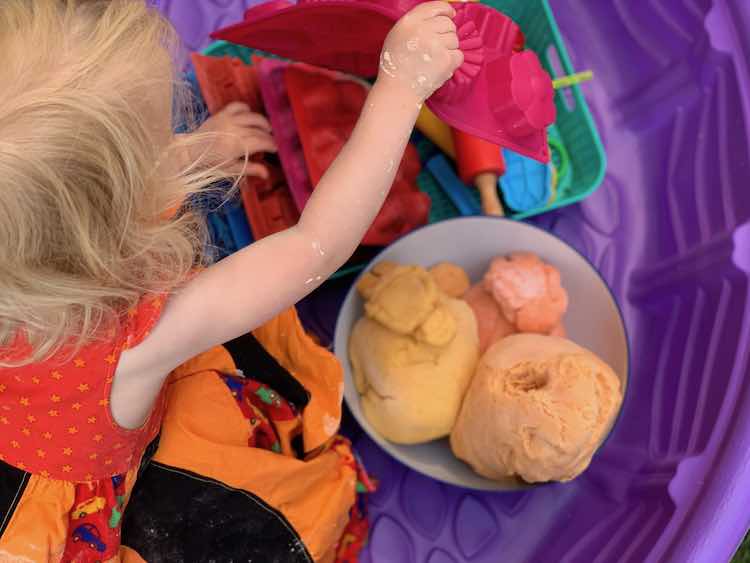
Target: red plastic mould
<point x="225" y="80"/>
<point x="268" y="203"/>
<point x="492" y="96"/>
<point x="326" y="107"/>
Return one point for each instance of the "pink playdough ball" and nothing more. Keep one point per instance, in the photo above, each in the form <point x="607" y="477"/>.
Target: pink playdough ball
<point x="528" y="292"/>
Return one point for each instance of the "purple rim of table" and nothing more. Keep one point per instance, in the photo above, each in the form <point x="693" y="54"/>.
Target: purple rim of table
<point x="670" y="232"/>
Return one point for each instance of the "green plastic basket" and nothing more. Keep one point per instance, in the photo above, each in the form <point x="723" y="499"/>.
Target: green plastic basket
<point x="574" y="127"/>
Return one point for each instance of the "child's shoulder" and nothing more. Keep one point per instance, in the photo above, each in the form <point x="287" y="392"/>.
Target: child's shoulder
<point x="141" y="319"/>
<point x="134" y="326"/>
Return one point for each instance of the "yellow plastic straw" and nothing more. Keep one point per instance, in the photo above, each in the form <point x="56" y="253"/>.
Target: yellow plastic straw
<point x="573" y="79"/>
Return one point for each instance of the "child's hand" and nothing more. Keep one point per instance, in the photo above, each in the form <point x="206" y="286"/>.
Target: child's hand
<point x="421" y="51"/>
<point x="240" y="132"/>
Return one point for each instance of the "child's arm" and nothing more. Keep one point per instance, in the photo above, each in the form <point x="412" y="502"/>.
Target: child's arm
<point x="252" y="286"/>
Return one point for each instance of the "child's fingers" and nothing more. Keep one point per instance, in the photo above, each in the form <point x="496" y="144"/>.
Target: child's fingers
<point x="252" y="120"/>
<point x="443" y="24"/>
<point x="233" y="108"/>
<point x="248" y="169"/>
<point x="250" y="135"/>
<point x="449" y="41"/>
<point x="260" y="143"/>
<point x="255" y="169"/>
<point x="457" y="57"/>
<point x="430" y="10"/>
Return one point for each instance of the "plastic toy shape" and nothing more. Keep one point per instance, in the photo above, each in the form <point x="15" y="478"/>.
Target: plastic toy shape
<point x="562" y="164"/>
<point x="524" y="94"/>
<point x="498" y="94"/>
<point x="326" y="107"/>
<point x="527" y="184"/>
<point x="268" y="203"/>
<point x="225" y="80"/>
<point x="572" y="79"/>
<point x="458" y="192"/>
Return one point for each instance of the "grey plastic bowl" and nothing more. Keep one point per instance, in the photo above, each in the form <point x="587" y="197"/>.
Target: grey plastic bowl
<point x="593" y="320"/>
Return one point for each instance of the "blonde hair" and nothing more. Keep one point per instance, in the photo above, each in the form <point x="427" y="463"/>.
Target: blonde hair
<point x="85" y="122"/>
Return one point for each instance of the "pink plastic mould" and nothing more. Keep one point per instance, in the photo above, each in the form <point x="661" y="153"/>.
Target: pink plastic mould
<point x="500" y="95"/>
<point x="281" y="116"/>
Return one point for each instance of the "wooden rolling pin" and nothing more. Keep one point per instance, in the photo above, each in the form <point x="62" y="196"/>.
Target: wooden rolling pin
<point x="436" y="131"/>
<point x="480" y="163"/>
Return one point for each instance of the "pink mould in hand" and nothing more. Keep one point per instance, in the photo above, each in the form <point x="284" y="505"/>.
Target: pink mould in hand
<point x="505" y="100"/>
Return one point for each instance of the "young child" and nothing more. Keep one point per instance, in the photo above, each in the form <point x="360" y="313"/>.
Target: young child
<point x="104" y="294"/>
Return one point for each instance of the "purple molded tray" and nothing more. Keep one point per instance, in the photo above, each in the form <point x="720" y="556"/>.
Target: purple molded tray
<point x="670" y="231"/>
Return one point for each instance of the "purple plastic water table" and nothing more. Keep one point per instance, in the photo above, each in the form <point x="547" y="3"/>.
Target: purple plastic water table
<point x="670" y="231"/>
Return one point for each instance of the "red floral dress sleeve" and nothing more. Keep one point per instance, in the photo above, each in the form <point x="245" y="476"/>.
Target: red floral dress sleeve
<point x="142" y="319"/>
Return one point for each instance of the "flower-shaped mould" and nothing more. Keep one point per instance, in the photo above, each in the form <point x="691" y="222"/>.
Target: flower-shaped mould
<point x="523" y="94"/>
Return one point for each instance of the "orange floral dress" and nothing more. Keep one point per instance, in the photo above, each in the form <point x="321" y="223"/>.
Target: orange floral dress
<point x="239" y="459"/>
<point x="67" y="466"/>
